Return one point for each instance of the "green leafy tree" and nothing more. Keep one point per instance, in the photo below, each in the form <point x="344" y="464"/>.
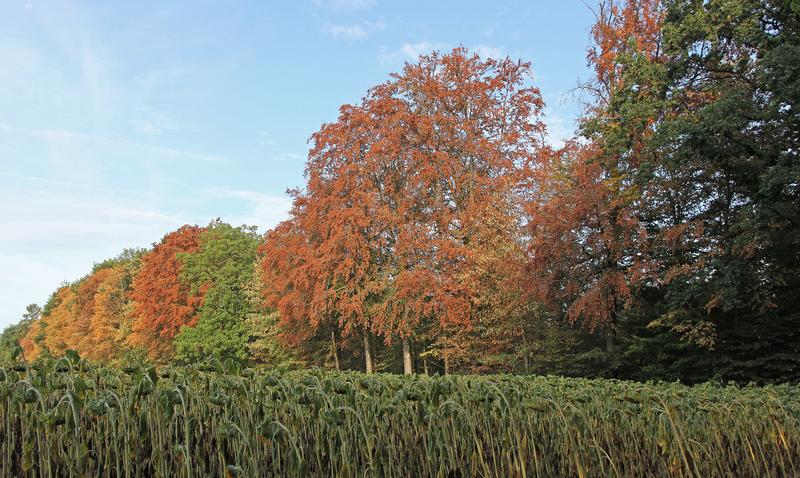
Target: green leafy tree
<point x="10" y="348"/>
<point x="265" y="345"/>
<point x="725" y="193"/>
<point x="222" y="268"/>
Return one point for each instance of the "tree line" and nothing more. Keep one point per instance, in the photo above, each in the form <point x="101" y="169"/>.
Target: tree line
<point x="438" y="231"/>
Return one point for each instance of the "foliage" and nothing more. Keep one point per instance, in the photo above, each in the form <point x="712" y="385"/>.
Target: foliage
<point x="220" y="270"/>
<point x="91" y="316"/>
<point x="403" y="191"/>
<point x="161" y="302"/>
<point x="662" y="242"/>
<point x="723" y="199"/>
<point x="674" y="222"/>
<point x="10" y="339"/>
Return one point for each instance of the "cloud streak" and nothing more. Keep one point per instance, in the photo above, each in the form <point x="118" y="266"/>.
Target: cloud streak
<point x="263" y="210"/>
<point x="55" y="135"/>
<point x="355" y="32"/>
<point x="347" y="32"/>
<point x="412" y="51"/>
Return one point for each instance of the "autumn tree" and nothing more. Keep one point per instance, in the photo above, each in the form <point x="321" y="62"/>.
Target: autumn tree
<point x="90" y="316"/>
<point x="162" y="304"/>
<point x="32" y="342"/>
<point x="672" y="221"/>
<point x="111" y="317"/>
<point x="398" y="192"/>
<point x="66" y="322"/>
<point x="589" y="246"/>
<point x="10" y="347"/>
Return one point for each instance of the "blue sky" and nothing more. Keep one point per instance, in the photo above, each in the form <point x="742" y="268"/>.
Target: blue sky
<point x="121" y="121"/>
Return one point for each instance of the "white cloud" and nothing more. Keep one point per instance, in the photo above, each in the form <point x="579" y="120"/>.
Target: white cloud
<point x="263" y="210"/>
<point x="412" y="51"/>
<point x="155" y="122"/>
<point x="560" y="117"/>
<point x="487" y="52"/>
<point x="409" y="52"/>
<point x="355" y="32"/>
<point x="157" y="77"/>
<point x="60" y="229"/>
<point x="349" y="32"/>
<point x="559" y="129"/>
<point x="265" y="138"/>
<point x="54" y="182"/>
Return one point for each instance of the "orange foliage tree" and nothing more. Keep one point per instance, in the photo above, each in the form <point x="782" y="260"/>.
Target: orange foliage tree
<point x="32" y="342"/>
<point x="589" y="246"/>
<point x="161" y="303"/>
<point x="37" y="340"/>
<point x="67" y="325"/>
<point x="400" y="192"/>
<point x="111" y="317"/>
<point x="90" y="316"/>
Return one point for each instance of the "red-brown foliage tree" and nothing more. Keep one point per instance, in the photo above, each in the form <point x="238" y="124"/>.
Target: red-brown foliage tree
<point x="589" y="246"/>
<point x="399" y="191"/>
<point x="161" y="303"/>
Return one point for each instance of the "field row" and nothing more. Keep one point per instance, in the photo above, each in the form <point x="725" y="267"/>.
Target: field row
<point x="67" y="418"/>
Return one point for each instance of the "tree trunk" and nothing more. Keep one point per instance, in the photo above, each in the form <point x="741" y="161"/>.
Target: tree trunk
<point x="367" y="353"/>
<point x="525" y="353"/>
<point x="446" y="364"/>
<point x="610" y="351"/>
<point x="425" y="365"/>
<point x="407" y="367"/>
<point x="335" y="349"/>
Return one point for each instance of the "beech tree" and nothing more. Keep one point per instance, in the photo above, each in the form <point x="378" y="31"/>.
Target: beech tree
<point x="399" y="189"/>
<point x="162" y="304"/>
<point x="589" y="248"/>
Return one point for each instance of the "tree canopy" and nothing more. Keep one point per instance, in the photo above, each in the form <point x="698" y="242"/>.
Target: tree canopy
<point x="438" y="231"/>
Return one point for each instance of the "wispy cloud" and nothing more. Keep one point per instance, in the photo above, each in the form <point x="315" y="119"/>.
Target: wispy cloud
<point x="263" y="210"/>
<point x="354" y="32"/>
<point x="56" y="135"/>
<point x="409" y="52"/>
<point x="53" y="182"/>
<point x="265" y="138"/>
<point x="559" y="129"/>
<point x="412" y="51"/>
<point x="349" y="32"/>
<point x="487" y="52"/>
<point x="60" y="229"/>
<point x="156" y="122"/>
<point x="157" y="77"/>
<point x="560" y="116"/>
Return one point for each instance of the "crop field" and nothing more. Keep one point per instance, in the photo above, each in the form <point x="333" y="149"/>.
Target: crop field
<point x="68" y="418"/>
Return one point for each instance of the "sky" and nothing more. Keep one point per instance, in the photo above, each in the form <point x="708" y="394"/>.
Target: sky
<point x="121" y="121"/>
